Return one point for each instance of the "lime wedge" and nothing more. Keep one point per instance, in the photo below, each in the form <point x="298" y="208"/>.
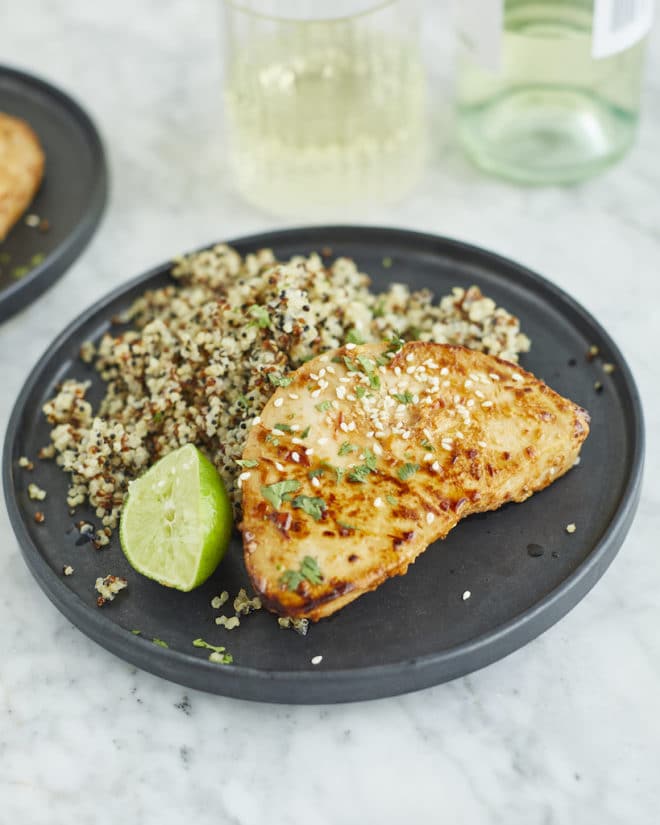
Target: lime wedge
<point x="176" y="520"/>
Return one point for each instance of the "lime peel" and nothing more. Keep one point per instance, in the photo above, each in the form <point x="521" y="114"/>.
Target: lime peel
<point x="176" y="521"/>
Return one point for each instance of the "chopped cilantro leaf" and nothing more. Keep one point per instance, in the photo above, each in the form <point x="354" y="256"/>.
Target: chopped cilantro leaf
<point x="345" y="526"/>
<point x="346" y="448"/>
<point x="354" y="337"/>
<point x="391" y="500"/>
<point x="309" y="570"/>
<point x="360" y="391"/>
<point x="370" y="459"/>
<point x="407" y="470"/>
<point x="304" y="433"/>
<point x="394" y="343"/>
<point x="159" y="642"/>
<point x="350" y="364"/>
<point x="403" y="397"/>
<point x="427" y="445"/>
<point x="324" y="406"/>
<point x="311" y="505"/>
<point x="218" y="652"/>
<point x="284" y="427"/>
<point x="279" y="380"/>
<point x="260" y="316"/>
<point x="318" y="471"/>
<point x="359" y="474"/>
<point x="275" y="493"/>
<point x="247" y="462"/>
<point x="366" y="363"/>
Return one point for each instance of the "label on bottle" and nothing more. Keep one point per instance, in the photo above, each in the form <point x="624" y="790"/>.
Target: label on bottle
<point x="619" y="24"/>
<point x="479" y="26"/>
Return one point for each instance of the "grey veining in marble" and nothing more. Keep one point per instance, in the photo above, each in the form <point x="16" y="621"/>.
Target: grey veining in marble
<point x="566" y="730"/>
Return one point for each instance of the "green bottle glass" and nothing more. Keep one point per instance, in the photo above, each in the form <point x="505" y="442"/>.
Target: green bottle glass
<point x="548" y="92"/>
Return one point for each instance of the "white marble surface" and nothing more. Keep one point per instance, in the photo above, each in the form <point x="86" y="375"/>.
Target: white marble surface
<point x="566" y="730"/>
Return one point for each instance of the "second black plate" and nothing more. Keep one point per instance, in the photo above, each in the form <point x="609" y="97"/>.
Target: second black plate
<point x="521" y="567"/>
<point x="71" y="197"/>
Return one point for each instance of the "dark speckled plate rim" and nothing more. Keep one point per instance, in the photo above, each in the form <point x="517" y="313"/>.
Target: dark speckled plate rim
<point x="17" y="295"/>
<point x="332" y="686"/>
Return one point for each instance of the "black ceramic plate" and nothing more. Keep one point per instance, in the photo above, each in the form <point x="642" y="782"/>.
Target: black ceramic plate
<point x="416" y="630"/>
<point x="72" y="193"/>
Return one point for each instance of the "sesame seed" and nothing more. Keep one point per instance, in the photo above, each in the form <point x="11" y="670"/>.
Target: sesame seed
<point x="309" y="451"/>
<point x="430" y="518"/>
<point x="293" y="396"/>
<point x="468" y="384"/>
<point x="517" y="376"/>
<point x="343" y="427"/>
<point x="296" y="440"/>
<point x="244" y="476"/>
<point x="486" y="404"/>
<point x="316" y="660"/>
<point x="279" y="467"/>
<point x="275" y="431"/>
<point x="321" y="441"/>
<point x="576" y="462"/>
<point x="315" y="393"/>
<point x="466" y="595"/>
<point x="278" y="402"/>
<point x="494" y="376"/>
<point x="608" y="368"/>
<point x="322" y="372"/>
<point x="315" y="482"/>
<point x="378" y="450"/>
<point x="295" y="457"/>
<point x="479" y="394"/>
<point x="378" y="502"/>
<point x="313" y="376"/>
<point x="351" y="426"/>
<point x="256" y="420"/>
<point x="570" y="528"/>
<point x="482" y="443"/>
<point x="469" y="402"/>
<point x="410" y="357"/>
<point x="428" y="458"/>
<point x="341" y="391"/>
<point x="350" y="346"/>
<point x="444" y="371"/>
<point x="435" y="466"/>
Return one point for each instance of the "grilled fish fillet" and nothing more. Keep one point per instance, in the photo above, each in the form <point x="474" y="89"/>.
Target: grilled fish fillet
<point x="21" y="169"/>
<point x="372" y="453"/>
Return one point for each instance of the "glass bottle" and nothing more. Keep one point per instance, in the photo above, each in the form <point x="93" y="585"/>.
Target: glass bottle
<point x="548" y="91"/>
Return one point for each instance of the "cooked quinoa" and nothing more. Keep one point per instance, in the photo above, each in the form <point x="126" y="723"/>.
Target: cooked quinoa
<point x="201" y="357"/>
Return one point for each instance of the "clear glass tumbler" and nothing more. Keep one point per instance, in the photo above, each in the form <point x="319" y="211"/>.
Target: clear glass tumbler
<point x="325" y="102"/>
<point x="549" y="90"/>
